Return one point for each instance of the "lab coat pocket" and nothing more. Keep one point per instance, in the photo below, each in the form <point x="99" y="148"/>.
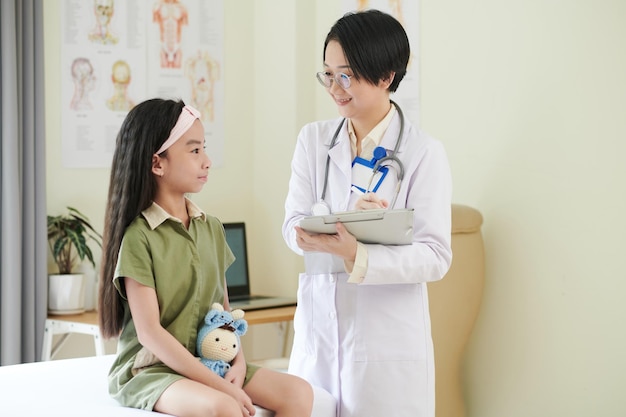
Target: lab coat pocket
<point x="390" y="324"/>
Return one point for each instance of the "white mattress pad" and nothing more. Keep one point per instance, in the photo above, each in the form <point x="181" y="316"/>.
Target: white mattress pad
<point x="78" y="387"/>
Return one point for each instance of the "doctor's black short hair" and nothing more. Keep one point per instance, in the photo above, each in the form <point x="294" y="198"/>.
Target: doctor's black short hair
<point x="375" y="45"/>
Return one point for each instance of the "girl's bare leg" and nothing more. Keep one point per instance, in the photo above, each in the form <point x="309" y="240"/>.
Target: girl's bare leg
<point x="187" y="398"/>
<point x="286" y="395"/>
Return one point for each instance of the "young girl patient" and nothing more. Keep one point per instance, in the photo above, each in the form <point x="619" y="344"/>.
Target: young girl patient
<point x="163" y="267"/>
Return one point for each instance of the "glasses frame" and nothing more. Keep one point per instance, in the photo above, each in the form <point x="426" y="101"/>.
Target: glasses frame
<point x="339" y="78"/>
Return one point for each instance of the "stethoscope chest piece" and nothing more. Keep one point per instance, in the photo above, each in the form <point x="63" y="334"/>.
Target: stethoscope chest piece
<point x="321" y="208"/>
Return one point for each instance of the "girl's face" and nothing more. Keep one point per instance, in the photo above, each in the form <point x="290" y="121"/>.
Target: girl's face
<point x="185" y="167"/>
<point x="362" y="100"/>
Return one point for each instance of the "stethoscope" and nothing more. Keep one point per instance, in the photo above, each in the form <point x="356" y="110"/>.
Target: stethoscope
<point x="323" y="208"/>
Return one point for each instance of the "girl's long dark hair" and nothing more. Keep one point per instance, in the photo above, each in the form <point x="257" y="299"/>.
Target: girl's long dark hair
<point x="132" y="189"/>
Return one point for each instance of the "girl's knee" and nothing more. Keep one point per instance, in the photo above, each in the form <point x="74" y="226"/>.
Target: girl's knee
<point x="193" y="400"/>
<point x="225" y="406"/>
<point x="285" y="394"/>
<point x="300" y="402"/>
<point x="303" y="388"/>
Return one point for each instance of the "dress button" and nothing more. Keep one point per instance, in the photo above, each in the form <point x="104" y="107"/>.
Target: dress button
<point x="332" y="279"/>
<point x="332" y="315"/>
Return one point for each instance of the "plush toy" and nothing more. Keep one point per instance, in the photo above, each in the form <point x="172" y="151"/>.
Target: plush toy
<point x="218" y="339"/>
<point x="217" y="343"/>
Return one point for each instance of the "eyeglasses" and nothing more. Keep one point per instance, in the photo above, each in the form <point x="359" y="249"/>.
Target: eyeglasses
<point x="326" y="79"/>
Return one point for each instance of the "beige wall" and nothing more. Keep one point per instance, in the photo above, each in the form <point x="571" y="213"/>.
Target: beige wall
<point x="529" y="99"/>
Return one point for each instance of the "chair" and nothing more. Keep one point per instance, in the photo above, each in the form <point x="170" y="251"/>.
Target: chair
<point x="454" y="305"/>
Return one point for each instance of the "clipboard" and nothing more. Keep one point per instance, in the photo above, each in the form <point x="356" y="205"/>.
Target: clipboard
<point x="387" y="227"/>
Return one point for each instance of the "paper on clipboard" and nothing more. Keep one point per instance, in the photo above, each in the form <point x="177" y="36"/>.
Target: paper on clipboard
<point x="388" y="227"/>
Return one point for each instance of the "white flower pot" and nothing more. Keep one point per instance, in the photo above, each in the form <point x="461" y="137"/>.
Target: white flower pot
<point x="66" y="294"/>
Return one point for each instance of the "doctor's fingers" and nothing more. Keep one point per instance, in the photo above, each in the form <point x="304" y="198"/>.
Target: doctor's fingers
<point x="370" y="201"/>
<point x="304" y="240"/>
<point x="344" y="244"/>
<point x="311" y="243"/>
<point x="316" y="243"/>
<point x="341" y="244"/>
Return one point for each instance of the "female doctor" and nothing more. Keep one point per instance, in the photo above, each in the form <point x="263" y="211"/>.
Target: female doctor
<point x="362" y="325"/>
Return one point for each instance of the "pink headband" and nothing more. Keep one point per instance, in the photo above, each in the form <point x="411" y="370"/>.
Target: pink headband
<point x="187" y="116"/>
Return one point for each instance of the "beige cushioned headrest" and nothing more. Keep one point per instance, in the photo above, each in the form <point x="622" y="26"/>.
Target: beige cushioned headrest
<point x="465" y="219"/>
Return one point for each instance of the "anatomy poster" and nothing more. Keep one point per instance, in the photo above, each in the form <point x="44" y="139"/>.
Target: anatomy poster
<point x="117" y="53"/>
<point x="406" y="11"/>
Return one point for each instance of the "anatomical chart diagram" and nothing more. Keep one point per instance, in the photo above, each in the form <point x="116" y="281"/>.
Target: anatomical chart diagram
<point x="84" y="83"/>
<point x="120" y="80"/>
<point x="101" y="31"/>
<point x="185" y="60"/>
<point x="117" y="53"/>
<point x="171" y="16"/>
<point x="203" y="72"/>
<point x="192" y="54"/>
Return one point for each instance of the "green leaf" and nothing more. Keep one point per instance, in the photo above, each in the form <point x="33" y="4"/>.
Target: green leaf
<point x="68" y="237"/>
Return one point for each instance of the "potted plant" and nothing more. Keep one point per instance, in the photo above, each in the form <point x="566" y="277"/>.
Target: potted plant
<point x="68" y="236"/>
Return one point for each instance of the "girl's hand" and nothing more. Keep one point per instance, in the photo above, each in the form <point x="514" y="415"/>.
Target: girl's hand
<point x="369" y="201"/>
<point x="245" y="403"/>
<point x="237" y="373"/>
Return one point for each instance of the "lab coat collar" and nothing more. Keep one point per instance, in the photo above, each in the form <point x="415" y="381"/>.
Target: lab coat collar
<point x="341" y="158"/>
<point x="388" y="141"/>
<point x="343" y="133"/>
<point x="341" y="153"/>
<point x="391" y="135"/>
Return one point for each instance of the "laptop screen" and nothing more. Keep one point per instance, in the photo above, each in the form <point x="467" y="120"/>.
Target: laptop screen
<point x="237" y="278"/>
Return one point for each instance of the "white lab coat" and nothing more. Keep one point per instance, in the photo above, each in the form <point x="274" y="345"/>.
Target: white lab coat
<point x="370" y="344"/>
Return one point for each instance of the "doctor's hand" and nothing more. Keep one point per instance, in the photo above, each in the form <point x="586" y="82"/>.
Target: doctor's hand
<point x="369" y="201"/>
<point x="342" y="244"/>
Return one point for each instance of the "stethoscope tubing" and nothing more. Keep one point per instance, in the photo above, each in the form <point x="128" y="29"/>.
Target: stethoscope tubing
<point x="392" y="157"/>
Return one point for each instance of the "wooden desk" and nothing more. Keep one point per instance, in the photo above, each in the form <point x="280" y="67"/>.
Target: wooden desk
<point x="87" y="323"/>
<point x="270" y="315"/>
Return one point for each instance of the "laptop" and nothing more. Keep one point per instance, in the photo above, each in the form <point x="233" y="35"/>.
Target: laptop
<point x="238" y="275"/>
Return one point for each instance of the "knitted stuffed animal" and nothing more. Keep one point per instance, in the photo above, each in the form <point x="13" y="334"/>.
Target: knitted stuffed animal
<point x="219" y="338"/>
<point x="217" y="343"/>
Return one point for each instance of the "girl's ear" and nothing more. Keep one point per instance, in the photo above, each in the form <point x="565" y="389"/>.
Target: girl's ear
<point x="157" y="168"/>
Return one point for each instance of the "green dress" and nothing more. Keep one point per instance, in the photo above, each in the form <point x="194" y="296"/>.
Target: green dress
<point x="186" y="268"/>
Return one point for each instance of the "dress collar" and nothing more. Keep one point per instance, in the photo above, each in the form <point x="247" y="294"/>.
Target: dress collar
<point x="155" y="215"/>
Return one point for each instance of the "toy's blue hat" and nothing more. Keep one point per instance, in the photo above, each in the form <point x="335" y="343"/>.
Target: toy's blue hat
<point x="216" y="318"/>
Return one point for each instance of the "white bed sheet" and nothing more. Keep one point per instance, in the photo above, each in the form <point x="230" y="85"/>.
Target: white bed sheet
<point x="78" y="387"/>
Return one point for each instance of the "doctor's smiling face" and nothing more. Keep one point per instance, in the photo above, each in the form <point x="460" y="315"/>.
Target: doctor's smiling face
<point x="362" y="100"/>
